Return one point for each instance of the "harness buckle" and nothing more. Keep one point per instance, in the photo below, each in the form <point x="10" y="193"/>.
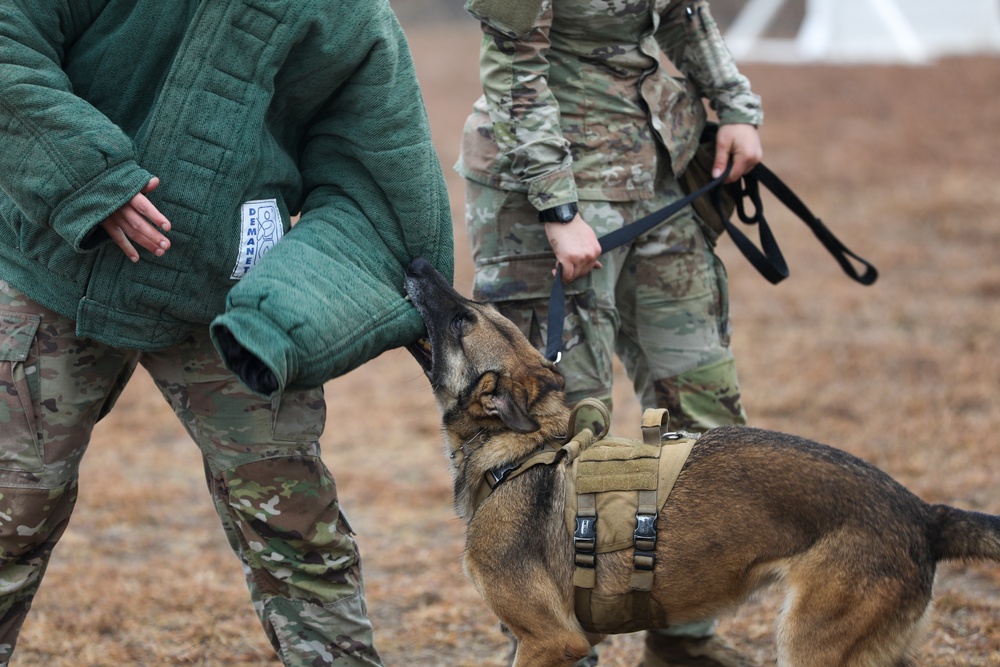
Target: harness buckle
<point x="497" y="475"/>
<point x="645" y="541"/>
<point x="585" y="540"/>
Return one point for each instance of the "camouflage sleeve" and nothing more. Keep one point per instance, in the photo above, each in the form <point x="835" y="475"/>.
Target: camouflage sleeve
<point x="525" y="113"/>
<point x="692" y="41"/>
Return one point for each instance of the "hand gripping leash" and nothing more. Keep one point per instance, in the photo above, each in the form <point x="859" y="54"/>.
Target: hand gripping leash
<point x="767" y="259"/>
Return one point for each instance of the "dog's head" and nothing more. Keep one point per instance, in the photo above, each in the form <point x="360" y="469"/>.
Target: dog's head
<point x="484" y="372"/>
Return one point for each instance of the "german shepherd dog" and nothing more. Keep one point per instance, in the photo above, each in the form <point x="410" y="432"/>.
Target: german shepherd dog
<point x="856" y="551"/>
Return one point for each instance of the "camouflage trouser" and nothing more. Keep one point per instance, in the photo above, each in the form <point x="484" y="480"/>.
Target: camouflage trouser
<point x="277" y="501"/>
<point x="661" y="303"/>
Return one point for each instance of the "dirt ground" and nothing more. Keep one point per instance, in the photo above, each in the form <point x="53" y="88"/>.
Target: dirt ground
<point x="902" y="162"/>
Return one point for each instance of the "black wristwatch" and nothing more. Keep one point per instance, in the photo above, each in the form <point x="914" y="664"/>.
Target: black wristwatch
<point x="562" y="213"/>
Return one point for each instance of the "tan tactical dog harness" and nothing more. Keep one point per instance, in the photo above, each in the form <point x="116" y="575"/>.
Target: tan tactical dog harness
<point x="615" y="489"/>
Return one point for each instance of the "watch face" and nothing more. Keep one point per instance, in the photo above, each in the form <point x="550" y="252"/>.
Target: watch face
<point x="563" y="213"/>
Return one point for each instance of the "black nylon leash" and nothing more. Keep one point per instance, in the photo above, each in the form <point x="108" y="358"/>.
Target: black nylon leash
<point x="767" y="259"/>
<point x="761" y="175"/>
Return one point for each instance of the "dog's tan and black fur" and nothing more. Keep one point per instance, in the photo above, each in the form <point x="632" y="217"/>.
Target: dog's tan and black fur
<point x="856" y="551"/>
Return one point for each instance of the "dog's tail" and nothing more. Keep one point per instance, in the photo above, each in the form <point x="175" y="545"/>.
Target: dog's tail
<point x="964" y="535"/>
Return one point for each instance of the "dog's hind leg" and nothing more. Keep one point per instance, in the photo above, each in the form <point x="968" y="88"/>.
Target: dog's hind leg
<point x="842" y="643"/>
<point x="835" y="618"/>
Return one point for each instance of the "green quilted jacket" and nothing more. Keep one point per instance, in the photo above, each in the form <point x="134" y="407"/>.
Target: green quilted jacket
<point x="251" y="112"/>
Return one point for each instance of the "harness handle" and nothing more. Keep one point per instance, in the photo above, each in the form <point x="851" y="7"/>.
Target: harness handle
<point x="654" y="422"/>
<point x="593" y="404"/>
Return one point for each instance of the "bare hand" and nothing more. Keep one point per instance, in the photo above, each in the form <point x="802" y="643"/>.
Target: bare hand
<point x="139" y="221"/>
<point x="742" y="142"/>
<point x="576" y="247"/>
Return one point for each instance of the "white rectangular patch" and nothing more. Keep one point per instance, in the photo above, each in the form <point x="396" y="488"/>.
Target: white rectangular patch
<point x="262" y="228"/>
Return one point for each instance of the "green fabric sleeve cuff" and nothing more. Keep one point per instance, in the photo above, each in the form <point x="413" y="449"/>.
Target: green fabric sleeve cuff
<point x="266" y="358"/>
<point x="76" y="218"/>
<point x="255" y="349"/>
<point x="317" y="307"/>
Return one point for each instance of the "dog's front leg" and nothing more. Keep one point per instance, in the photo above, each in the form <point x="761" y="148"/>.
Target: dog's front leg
<point x="551" y="649"/>
<point x="538" y="616"/>
<point x="545" y="629"/>
<point x="592" y="639"/>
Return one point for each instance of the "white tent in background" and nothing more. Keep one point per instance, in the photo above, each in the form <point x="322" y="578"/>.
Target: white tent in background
<point x="854" y="31"/>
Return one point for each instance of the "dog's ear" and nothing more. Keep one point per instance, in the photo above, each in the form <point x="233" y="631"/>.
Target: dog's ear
<point x="514" y="415"/>
<point x="500" y="397"/>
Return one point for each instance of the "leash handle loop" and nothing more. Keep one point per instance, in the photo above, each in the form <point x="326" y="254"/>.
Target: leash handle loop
<point x="834" y="246"/>
<point x="767" y="259"/>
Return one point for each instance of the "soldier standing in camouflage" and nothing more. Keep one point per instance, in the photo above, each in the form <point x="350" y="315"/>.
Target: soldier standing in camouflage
<point x="580" y="131"/>
<point x="248" y="113"/>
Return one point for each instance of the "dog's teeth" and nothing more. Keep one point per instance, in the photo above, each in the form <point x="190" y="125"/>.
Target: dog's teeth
<point x="407" y="297"/>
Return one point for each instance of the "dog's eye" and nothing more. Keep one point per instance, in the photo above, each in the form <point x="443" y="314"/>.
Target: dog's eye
<point x="457" y="323"/>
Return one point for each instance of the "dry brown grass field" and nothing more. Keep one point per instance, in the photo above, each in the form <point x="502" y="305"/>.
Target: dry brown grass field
<point x="902" y="162"/>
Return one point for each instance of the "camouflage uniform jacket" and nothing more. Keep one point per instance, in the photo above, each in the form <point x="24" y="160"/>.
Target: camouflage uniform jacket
<point x="289" y="107"/>
<point x="577" y="107"/>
